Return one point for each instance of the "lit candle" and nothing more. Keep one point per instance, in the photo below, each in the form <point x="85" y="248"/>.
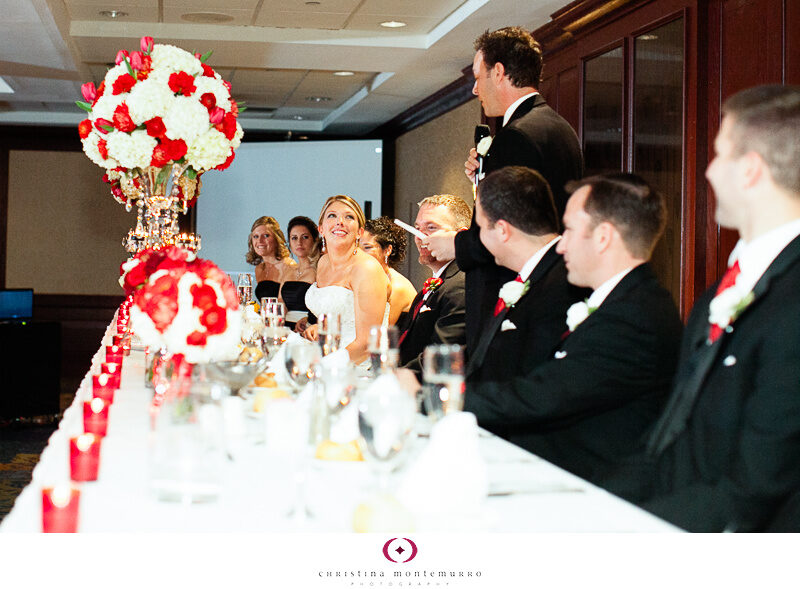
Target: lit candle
<point x="102" y="388"/>
<point x="114" y="371"/>
<point x="114" y="353"/>
<point x="95" y="416"/>
<point x="60" y="509"/>
<point x="84" y="457"/>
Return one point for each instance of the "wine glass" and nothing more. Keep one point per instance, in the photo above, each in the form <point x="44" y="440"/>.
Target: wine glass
<point x="329" y="332"/>
<point x="385" y="423"/>
<point x="383" y="346"/>
<point x="300" y="360"/>
<point x="244" y="286"/>
<point x="272" y="340"/>
<point x="443" y="373"/>
<point x="275" y="315"/>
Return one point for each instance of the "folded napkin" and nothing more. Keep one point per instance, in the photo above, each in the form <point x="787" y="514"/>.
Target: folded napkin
<point x="450" y="476"/>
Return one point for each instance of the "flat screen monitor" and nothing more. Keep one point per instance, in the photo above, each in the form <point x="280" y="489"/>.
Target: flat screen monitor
<point x="16" y="304"/>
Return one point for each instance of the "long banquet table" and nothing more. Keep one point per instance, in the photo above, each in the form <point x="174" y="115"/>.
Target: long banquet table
<point x="526" y="493"/>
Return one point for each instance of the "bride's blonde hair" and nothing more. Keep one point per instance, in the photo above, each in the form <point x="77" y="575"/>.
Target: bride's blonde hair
<point x="346" y="200"/>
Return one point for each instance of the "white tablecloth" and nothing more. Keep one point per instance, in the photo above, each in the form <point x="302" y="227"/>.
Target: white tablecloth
<point x="527" y="494"/>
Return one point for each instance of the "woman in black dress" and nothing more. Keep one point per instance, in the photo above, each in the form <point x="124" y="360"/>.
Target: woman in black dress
<point x="304" y="244"/>
<point x="267" y="251"/>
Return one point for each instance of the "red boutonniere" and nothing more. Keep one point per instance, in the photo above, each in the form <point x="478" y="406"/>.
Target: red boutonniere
<point x="431" y="285"/>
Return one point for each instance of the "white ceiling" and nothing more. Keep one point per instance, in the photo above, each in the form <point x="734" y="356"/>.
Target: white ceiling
<point x="275" y="53"/>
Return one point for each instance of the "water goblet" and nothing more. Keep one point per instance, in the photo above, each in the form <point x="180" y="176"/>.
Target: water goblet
<point x="383" y="346"/>
<point x="272" y="340"/>
<point x="301" y="358"/>
<point x="275" y="314"/>
<point x="329" y="332"/>
<point x="443" y="373"/>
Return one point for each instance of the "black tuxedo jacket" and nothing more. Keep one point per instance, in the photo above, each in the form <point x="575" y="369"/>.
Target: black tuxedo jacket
<point x="726" y="452"/>
<point x="585" y="408"/>
<point x="520" y="338"/>
<point x="537" y="137"/>
<point x="441" y="320"/>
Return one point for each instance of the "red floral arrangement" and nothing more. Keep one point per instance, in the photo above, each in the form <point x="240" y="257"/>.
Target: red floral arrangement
<point x="183" y="303"/>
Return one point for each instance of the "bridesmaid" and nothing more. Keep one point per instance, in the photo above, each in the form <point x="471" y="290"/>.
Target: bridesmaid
<point x="267" y="251"/>
<point x="386" y="242"/>
<point x="304" y="244"/>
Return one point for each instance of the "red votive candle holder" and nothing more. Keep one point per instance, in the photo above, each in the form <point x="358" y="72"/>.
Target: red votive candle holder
<point x="84" y="457"/>
<point x="114" y="354"/>
<point x="60" y="509"/>
<point x="123" y="342"/>
<point x="102" y="387"/>
<point x="95" y="416"/>
<point x="114" y="371"/>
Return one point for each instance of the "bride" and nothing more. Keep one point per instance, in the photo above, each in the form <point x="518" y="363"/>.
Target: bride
<point x="349" y="282"/>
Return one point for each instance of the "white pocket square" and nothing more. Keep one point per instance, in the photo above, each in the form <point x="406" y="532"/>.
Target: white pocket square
<point x="424" y="308"/>
<point x="560" y="354"/>
<point x="507" y="326"/>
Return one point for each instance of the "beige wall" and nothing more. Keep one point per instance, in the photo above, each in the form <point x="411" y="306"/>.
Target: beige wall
<point x="64" y="228"/>
<point x="430" y="160"/>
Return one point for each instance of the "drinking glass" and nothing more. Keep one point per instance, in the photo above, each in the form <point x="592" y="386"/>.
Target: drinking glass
<point x="383" y="346"/>
<point x="443" y="373"/>
<point x="265" y="303"/>
<point x="275" y="315"/>
<point x="329" y="332"/>
<point x="272" y="340"/>
<point x="244" y="286"/>
<point x="301" y="358"/>
<point x="385" y="423"/>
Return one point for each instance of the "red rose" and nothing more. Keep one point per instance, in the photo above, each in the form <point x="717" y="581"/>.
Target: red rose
<point x="208" y="100"/>
<point x="176" y="148"/>
<point x="215" y="320"/>
<point x="207" y="71"/>
<point x="182" y="83"/>
<point x="229" y="126"/>
<point x="123" y="84"/>
<point x="122" y="119"/>
<point x="84" y="128"/>
<point x="197" y="338"/>
<point x="203" y="296"/>
<point x="161" y="301"/>
<point x="224" y="165"/>
<point x="155" y="127"/>
<point x="103" y="149"/>
<point x="135" y="278"/>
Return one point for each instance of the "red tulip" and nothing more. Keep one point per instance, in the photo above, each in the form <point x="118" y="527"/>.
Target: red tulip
<point x="146" y="43"/>
<point x="121" y="55"/>
<point x="136" y="60"/>
<point x="89" y="91"/>
<point x="103" y="125"/>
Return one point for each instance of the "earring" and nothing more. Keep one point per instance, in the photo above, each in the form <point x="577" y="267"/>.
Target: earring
<point x="323" y="243"/>
<point x="386" y="258"/>
<point x="355" y="251"/>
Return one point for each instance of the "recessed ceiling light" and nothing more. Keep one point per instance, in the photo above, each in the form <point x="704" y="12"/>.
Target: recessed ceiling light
<point x="209" y="18"/>
<point x="297" y="117"/>
<point x="113" y="13"/>
<point x="313" y="3"/>
<point x="393" y="24"/>
<point x="318" y="98"/>
<point x="343" y="74"/>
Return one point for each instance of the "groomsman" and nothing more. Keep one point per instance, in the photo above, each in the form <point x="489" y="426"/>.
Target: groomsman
<point x="518" y="222"/>
<point x="437" y="313"/>
<point x="605" y="384"/>
<point x="725" y="454"/>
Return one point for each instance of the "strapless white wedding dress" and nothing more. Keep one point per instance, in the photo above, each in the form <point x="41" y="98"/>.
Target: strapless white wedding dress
<point x="337" y="299"/>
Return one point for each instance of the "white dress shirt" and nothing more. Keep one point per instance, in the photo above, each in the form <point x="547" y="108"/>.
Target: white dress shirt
<point x="534" y="260"/>
<point x="601" y="292"/>
<point x="510" y="110"/>
<point x="756" y="256"/>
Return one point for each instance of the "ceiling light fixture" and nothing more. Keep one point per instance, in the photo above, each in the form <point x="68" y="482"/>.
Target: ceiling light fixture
<point x="113" y="13"/>
<point x="318" y="98"/>
<point x="343" y="73"/>
<point x="393" y="24"/>
<point x="313" y="3"/>
<point x="297" y="117"/>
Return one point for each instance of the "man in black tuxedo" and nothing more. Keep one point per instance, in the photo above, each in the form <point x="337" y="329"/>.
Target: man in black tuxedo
<point x="507" y="69"/>
<point x="437" y="312"/>
<point x="515" y="212"/>
<point x="725" y="454"/>
<point x="606" y="381"/>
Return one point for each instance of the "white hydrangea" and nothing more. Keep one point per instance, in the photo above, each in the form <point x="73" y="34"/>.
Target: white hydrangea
<point x="210" y="149"/>
<point x="237" y="138"/>
<point x="217" y="88"/>
<point x="93" y="153"/>
<point x="175" y="59"/>
<point x="148" y="99"/>
<point x="132" y="151"/>
<point x="105" y="107"/>
<point x="186" y="119"/>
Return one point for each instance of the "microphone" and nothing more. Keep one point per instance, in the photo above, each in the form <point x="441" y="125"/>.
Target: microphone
<point x="481" y="132"/>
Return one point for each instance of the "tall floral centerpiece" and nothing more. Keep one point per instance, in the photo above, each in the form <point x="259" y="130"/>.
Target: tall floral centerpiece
<point x="159" y="119"/>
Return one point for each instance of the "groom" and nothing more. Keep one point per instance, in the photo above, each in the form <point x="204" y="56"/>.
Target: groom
<point x="584" y="408"/>
<point x="725" y="454"/>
